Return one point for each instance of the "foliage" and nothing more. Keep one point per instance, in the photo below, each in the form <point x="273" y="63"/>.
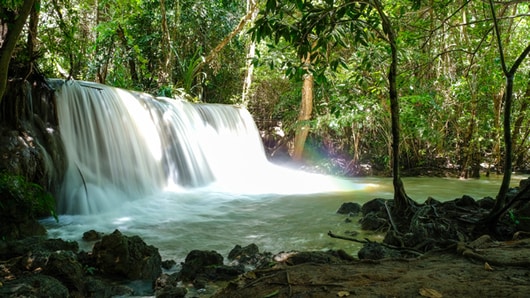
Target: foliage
<point x="450" y="77"/>
<point x="27" y="196"/>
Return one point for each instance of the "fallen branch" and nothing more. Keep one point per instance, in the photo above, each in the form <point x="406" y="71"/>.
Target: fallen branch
<point x="330" y="234"/>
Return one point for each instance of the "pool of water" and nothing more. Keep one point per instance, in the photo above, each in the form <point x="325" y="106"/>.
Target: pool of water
<point x="218" y="218"/>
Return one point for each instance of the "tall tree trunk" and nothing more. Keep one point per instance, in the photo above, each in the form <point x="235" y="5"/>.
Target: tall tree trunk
<point x="500" y="202"/>
<point x="519" y="148"/>
<point x="251" y="4"/>
<point x="306" y="108"/>
<point x="32" y="33"/>
<point x="401" y="199"/>
<point x="10" y="41"/>
<point x="165" y="71"/>
<point x="130" y="55"/>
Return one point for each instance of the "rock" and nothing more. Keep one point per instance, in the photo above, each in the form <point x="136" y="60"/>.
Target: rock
<point x="172" y="292"/>
<point x="197" y="262"/>
<point x="95" y="287"/>
<point x="168" y="264"/>
<point x="64" y="266"/>
<point x="376" y="251"/>
<point x="317" y="257"/>
<point x="128" y="257"/>
<point x="249" y="256"/>
<point x="350" y="208"/>
<point x="466" y="201"/>
<point x="372" y="222"/>
<point x="38" y="285"/>
<point x="243" y="254"/>
<point x="376" y="206"/>
<point x="92" y="235"/>
<point x="486" y="203"/>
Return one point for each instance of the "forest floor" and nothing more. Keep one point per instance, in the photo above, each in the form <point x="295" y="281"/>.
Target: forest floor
<point x="482" y="268"/>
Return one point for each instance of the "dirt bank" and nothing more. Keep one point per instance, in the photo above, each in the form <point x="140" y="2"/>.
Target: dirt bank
<point x="482" y="268"/>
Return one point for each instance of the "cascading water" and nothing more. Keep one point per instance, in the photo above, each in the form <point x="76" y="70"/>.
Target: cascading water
<point x="123" y="145"/>
<point x="182" y="176"/>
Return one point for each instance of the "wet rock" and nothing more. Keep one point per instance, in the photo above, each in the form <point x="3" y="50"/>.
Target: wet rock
<point x="127" y="257"/>
<point x="376" y="205"/>
<point x="168" y="264"/>
<point x="167" y="286"/>
<point x="63" y="265"/>
<point x="318" y="257"/>
<point x="172" y="292"/>
<point x="92" y="235"/>
<point x="376" y="251"/>
<point x="350" y="208"/>
<point x="199" y="261"/>
<point x="33" y="245"/>
<point x="38" y="285"/>
<point x="486" y="203"/>
<point x="466" y="201"/>
<point x="95" y="287"/>
<point x="372" y="222"/>
<point x="243" y="253"/>
<point x="249" y="256"/>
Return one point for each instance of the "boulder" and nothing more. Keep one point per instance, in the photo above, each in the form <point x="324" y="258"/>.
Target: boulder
<point x="199" y="261"/>
<point x="350" y="208"/>
<point x="117" y="255"/>
<point x="37" y="285"/>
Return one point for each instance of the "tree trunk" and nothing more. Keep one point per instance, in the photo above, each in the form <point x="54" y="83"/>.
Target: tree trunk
<point x="250" y="56"/>
<point x="500" y="202"/>
<point x="33" y="32"/>
<point x="130" y="57"/>
<point x="10" y="41"/>
<point x="306" y="107"/>
<point x="165" y="71"/>
<point x="401" y="199"/>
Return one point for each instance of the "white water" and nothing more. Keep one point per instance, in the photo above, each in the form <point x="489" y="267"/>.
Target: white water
<point x="186" y="177"/>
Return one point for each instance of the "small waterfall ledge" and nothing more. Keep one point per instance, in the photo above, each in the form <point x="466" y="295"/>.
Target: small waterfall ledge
<point x="122" y="145"/>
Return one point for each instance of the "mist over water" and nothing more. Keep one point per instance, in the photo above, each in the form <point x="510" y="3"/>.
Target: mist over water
<point x="194" y="176"/>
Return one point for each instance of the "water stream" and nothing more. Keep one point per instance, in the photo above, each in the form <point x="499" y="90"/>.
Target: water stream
<point x="184" y="176"/>
<point x="210" y="219"/>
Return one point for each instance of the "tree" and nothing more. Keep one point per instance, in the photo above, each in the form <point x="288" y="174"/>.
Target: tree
<point x="14" y="15"/>
<point x="315" y="29"/>
<point x="507" y="98"/>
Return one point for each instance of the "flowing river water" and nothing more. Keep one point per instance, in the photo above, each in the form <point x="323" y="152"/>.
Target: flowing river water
<point x="212" y="219"/>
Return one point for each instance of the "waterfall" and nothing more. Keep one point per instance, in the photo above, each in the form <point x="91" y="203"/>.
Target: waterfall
<point x="123" y="145"/>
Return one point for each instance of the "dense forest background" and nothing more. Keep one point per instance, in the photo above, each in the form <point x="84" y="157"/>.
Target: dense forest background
<point x="452" y="70"/>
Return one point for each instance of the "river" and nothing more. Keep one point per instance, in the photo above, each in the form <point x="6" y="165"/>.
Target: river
<point x="212" y="218"/>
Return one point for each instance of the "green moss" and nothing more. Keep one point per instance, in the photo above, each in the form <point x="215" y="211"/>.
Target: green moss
<point x="18" y="195"/>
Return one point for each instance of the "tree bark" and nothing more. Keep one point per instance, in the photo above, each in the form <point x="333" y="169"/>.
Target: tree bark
<point x="401" y="199"/>
<point x="306" y="108"/>
<point x="10" y="41"/>
<point x="500" y="202"/>
<point x="164" y="75"/>
<point x="251" y="4"/>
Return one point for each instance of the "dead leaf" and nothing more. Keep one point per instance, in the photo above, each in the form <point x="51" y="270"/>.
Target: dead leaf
<point x="488" y="267"/>
<point x="431" y="293"/>
<point x="343" y="293"/>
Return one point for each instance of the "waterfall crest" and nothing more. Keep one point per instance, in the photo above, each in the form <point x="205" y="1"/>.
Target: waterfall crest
<point x="123" y="145"/>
